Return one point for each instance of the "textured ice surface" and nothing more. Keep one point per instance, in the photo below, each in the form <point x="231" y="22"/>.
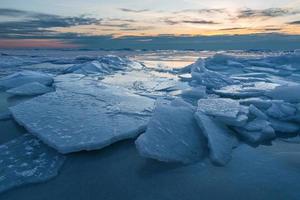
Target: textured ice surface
<point x="84" y="115"/>
<point x="220" y="140"/>
<point x="34" y="88"/>
<point x="24" y="77"/>
<point x="172" y="135"/>
<point x="220" y="107"/>
<point x="27" y="160"/>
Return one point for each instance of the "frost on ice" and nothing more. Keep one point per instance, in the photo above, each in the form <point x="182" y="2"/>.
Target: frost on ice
<point x="172" y="135"/>
<point x="84" y="115"/>
<point x="30" y="89"/>
<point x="24" y="77"/>
<point x="26" y="160"/>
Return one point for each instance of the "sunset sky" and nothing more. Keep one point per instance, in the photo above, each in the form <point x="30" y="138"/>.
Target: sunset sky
<point x="59" y="23"/>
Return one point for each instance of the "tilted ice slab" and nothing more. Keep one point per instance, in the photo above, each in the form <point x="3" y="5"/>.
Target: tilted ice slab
<point x="29" y="89"/>
<point x="103" y="65"/>
<point x="84" y="115"/>
<point x="209" y="78"/>
<point x="220" y="140"/>
<point x="27" y="160"/>
<point x="24" y="77"/>
<point x="172" y="135"/>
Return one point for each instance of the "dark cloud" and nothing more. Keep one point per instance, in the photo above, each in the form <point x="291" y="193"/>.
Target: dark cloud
<point x="202" y="11"/>
<point x="133" y="11"/>
<point x="231" y="29"/>
<point x="270" y="12"/>
<point x="200" y="22"/>
<point x="33" y="23"/>
<point x="294" y="22"/>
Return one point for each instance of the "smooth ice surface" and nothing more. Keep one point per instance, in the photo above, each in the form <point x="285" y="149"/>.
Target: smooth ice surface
<point x="172" y="135"/>
<point x="34" y="88"/>
<point x="220" y="138"/>
<point x="27" y="160"/>
<point x="88" y="117"/>
<point x="24" y="77"/>
<point x="220" y="107"/>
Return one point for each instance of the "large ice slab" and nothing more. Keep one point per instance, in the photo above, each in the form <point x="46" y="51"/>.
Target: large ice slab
<point x="220" y="140"/>
<point x="30" y="89"/>
<point x="27" y="160"/>
<point x="84" y="115"/>
<point x="172" y="135"/>
<point x="24" y="77"/>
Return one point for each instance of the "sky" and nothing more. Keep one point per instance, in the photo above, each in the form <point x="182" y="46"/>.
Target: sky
<point x="84" y="23"/>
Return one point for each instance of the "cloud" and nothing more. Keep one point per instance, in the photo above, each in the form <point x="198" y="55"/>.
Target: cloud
<point x="192" y="21"/>
<point x="270" y="12"/>
<point x="294" y="22"/>
<point x="133" y="11"/>
<point x="33" y="23"/>
<point x="201" y="11"/>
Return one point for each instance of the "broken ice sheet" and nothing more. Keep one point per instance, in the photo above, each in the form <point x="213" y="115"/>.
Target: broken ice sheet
<point x="27" y="160"/>
<point x="30" y="89"/>
<point x="84" y="115"/>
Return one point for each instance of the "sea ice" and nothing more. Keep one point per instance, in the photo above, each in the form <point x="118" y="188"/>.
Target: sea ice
<point x="172" y="135"/>
<point x="27" y="160"/>
<point x="84" y="115"/>
<point x="24" y="77"/>
<point x="220" y="140"/>
<point x="30" y="89"/>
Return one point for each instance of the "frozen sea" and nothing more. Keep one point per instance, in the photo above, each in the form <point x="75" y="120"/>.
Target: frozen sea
<point x="260" y="166"/>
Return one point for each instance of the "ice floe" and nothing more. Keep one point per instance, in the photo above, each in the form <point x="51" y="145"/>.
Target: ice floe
<point x="24" y="77"/>
<point x="30" y="89"/>
<point x="27" y="160"/>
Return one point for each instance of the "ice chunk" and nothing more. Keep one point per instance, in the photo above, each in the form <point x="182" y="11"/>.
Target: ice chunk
<point x="172" y="135"/>
<point x="26" y="160"/>
<point x="194" y="93"/>
<point x="256" y="125"/>
<point x="84" y="115"/>
<point x="281" y="110"/>
<point x="284" y="127"/>
<point x="208" y="78"/>
<point x="220" y="107"/>
<point x="30" y="89"/>
<point x="257" y="113"/>
<point x="220" y="141"/>
<point x="259" y="103"/>
<point x="255" y="137"/>
<point x="24" y="77"/>
<point x="289" y="93"/>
